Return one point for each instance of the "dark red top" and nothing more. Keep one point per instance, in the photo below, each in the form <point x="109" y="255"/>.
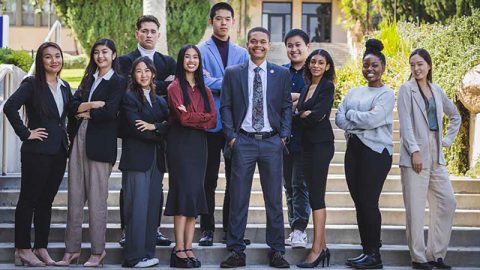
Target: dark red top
<point x="195" y="117"/>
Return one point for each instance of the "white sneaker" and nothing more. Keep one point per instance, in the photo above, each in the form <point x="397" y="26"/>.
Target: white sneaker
<point x="299" y="239"/>
<point x="288" y="241"/>
<point x="146" y="263"/>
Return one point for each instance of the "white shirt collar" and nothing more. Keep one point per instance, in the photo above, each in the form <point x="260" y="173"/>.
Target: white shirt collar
<point x="252" y="66"/>
<point x="146" y="52"/>
<point x="107" y="75"/>
<point x="59" y="83"/>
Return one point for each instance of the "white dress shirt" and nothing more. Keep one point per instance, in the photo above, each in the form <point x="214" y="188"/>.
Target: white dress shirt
<point x="97" y="81"/>
<point x="247" y="122"/>
<point x="57" y="95"/>
<point x="146" y="52"/>
<point x="146" y="93"/>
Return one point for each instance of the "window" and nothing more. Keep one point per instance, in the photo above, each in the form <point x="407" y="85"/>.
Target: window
<point x="28" y="13"/>
<point x="48" y="12"/>
<point x="11" y="7"/>
<point x="317" y="21"/>
<point x="277" y="18"/>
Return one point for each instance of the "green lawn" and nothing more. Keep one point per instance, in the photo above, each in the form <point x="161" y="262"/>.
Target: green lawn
<point x="72" y="76"/>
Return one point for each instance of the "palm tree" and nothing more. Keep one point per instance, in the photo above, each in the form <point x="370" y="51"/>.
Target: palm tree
<point x="158" y="9"/>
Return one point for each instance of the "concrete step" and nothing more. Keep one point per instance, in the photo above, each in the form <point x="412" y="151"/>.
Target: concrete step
<point x="340" y="146"/>
<point x="335" y="182"/>
<point x="256" y="215"/>
<point x="332" y="198"/>
<point x="257" y="254"/>
<point x="336" y="234"/>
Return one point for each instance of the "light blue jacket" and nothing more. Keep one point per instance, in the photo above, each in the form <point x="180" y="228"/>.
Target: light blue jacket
<point x="212" y="62"/>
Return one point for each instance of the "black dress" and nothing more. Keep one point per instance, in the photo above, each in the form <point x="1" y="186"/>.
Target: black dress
<point x="187" y="152"/>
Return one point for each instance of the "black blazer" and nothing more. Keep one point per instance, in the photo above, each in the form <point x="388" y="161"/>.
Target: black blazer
<point x="52" y="121"/>
<point x="101" y="137"/>
<point x="316" y="126"/>
<point x="138" y="148"/>
<point x="164" y="64"/>
<point x="234" y="99"/>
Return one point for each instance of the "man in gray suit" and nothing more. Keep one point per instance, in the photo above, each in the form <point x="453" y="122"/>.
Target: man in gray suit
<point x="256" y="113"/>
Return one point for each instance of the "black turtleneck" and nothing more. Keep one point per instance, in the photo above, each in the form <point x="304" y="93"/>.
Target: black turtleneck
<point x="222" y="47"/>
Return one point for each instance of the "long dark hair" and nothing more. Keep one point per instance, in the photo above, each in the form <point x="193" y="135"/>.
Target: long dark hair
<point x="329" y="74"/>
<point x="426" y="56"/>
<point x="135" y="87"/>
<point x="40" y="79"/>
<point x="87" y="80"/>
<point x="198" y="75"/>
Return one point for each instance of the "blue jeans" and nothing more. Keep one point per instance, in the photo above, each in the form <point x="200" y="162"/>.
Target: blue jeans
<point x="296" y="191"/>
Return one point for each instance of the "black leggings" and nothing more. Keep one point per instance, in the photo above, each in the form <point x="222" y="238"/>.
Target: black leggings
<point x="41" y="177"/>
<point x="366" y="171"/>
<point x="316" y="160"/>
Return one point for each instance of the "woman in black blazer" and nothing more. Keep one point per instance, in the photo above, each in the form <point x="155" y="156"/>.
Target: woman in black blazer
<point x="94" y="148"/>
<point x="313" y="116"/>
<point x="143" y="128"/>
<point x="44" y="151"/>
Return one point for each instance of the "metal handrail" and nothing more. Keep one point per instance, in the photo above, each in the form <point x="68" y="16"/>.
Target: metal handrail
<point x="56" y="27"/>
<point x="7" y="90"/>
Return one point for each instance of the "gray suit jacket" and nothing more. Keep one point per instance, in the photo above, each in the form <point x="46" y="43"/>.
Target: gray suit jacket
<point x="414" y="128"/>
<point x="234" y="99"/>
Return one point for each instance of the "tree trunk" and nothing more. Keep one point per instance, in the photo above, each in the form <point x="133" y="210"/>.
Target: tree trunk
<point x="158" y="8"/>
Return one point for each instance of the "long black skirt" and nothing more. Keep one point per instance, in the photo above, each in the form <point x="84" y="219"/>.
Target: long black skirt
<point x="187" y="163"/>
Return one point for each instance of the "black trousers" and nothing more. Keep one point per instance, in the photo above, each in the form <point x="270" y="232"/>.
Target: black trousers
<point x="122" y="217"/>
<point x="366" y="171"/>
<point x="316" y="160"/>
<point x="215" y="144"/>
<point x="41" y="178"/>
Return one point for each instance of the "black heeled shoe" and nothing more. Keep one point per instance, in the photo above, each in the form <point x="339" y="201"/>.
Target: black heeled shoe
<point x="196" y="262"/>
<point x="178" y="262"/>
<point x="325" y="254"/>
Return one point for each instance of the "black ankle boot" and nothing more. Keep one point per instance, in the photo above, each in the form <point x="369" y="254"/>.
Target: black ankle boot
<point x="371" y="260"/>
<point x="354" y="259"/>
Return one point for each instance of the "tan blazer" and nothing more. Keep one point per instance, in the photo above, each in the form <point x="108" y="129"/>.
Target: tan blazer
<point x="414" y="125"/>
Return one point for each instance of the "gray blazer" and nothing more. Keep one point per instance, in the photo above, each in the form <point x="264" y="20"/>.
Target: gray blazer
<point x="414" y="128"/>
<point x="234" y="99"/>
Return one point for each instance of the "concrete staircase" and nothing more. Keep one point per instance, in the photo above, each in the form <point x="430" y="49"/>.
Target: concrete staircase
<point x="342" y="233"/>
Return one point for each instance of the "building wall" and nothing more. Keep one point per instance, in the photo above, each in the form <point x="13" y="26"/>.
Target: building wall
<point x="30" y="37"/>
<point x="339" y="35"/>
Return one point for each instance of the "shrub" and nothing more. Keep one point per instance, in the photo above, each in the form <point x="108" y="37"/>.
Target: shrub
<point x="21" y="59"/>
<point x="75" y="61"/>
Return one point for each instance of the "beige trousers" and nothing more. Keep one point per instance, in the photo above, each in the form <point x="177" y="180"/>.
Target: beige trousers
<point x="432" y="184"/>
<point x="87" y="182"/>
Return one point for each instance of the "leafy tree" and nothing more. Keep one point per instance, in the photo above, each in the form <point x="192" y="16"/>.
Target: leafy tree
<point x="91" y="20"/>
<point x="115" y="19"/>
<point x="428" y="10"/>
<point x="358" y="15"/>
<point x="186" y="23"/>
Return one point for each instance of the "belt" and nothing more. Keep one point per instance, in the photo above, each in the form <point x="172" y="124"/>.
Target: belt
<point x="258" y="135"/>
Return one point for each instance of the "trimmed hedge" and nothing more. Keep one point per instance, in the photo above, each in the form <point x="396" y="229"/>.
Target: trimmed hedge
<point x="21" y="59"/>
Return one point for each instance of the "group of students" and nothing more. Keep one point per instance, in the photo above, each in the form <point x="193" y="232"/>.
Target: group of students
<point x="180" y="116"/>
